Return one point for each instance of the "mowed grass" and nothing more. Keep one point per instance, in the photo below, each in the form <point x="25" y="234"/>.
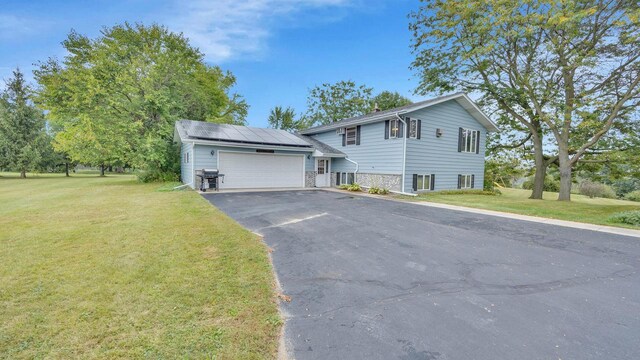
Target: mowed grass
<point x="580" y="209"/>
<point x="109" y="268"/>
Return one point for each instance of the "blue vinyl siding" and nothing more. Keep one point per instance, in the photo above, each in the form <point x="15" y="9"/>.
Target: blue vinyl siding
<point x="185" y="168"/>
<point x="375" y="154"/>
<point x="440" y="156"/>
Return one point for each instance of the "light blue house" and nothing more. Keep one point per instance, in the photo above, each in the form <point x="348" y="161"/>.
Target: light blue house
<point x="437" y="144"/>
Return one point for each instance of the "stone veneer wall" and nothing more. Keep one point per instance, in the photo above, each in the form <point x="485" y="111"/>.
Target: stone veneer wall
<point x="384" y="181"/>
<point x="309" y="179"/>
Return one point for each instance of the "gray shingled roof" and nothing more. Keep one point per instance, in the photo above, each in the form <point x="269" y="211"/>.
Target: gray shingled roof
<point x="320" y="146"/>
<point x="238" y="134"/>
<point x="390" y="113"/>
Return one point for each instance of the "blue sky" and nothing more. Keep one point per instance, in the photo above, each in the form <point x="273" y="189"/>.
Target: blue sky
<point x="278" y="49"/>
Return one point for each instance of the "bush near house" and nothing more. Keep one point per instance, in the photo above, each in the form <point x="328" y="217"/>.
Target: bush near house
<point x="379" y="191"/>
<point x="594" y="189"/>
<point x="627" y="217"/>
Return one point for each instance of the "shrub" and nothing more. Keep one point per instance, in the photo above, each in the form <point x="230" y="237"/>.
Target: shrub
<point x="633" y="196"/>
<point x="550" y="184"/>
<point x="593" y="189"/>
<point x="158" y="176"/>
<point x="377" y="190"/>
<point x="354" y="187"/>
<point x="344" y="187"/>
<point x="625" y="186"/>
<point x="627" y="217"/>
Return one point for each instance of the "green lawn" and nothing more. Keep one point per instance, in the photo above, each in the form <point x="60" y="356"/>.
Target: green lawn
<point x="109" y="268"/>
<point x="581" y="208"/>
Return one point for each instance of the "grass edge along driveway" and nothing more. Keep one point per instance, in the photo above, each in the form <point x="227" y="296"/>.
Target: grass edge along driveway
<point x="580" y="209"/>
<point x="109" y="268"/>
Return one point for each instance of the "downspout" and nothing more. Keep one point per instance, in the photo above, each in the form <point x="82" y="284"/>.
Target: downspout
<point x="357" y="167"/>
<point x="404" y="150"/>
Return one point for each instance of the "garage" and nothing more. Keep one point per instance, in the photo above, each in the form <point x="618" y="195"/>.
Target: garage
<point x="244" y="170"/>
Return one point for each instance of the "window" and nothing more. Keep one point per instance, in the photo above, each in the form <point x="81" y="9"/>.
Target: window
<point x="186" y="157"/>
<point x="351" y="135"/>
<point x="465" y="181"/>
<point x="322" y="165"/>
<point x="469" y="141"/>
<point x="394" y="129"/>
<point x="423" y="182"/>
<point x="345" y="178"/>
<point x="413" y="128"/>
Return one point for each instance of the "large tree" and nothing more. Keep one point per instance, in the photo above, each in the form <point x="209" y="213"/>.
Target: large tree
<point x="389" y="99"/>
<point x="116" y="97"/>
<point x="285" y="119"/>
<point x="22" y="127"/>
<point x="564" y="71"/>
<point x="331" y="102"/>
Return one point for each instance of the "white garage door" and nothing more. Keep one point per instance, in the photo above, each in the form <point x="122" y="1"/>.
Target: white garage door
<point x="253" y="170"/>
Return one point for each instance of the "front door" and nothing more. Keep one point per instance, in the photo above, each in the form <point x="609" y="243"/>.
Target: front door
<point x="323" y="172"/>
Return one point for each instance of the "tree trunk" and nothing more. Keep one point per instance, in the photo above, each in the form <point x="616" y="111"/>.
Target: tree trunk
<point x="565" y="174"/>
<point x="102" y="170"/>
<point x="66" y="169"/>
<point x="541" y="169"/>
<point x="23" y="174"/>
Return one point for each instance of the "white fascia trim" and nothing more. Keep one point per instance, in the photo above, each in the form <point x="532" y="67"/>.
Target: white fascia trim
<point x="250" y="146"/>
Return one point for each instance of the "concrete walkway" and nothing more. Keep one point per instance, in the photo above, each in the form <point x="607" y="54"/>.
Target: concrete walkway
<point x="565" y="223"/>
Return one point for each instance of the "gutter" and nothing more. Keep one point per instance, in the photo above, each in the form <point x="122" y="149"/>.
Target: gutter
<point x="404" y="150"/>
<point x="357" y="167"/>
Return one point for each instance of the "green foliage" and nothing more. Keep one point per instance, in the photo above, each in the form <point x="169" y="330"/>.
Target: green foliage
<point x="625" y="186"/>
<point x="561" y="74"/>
<point x="285" y="119"/>
<point x="627" y="217"/>
<point x="377" y="190"/>
<point x="116" y="98"/>
<point x="332" y="102"/>
<point x="343" y="187"/>
<point x="388" y="100"/>
<point x="550" y="184"/>
<point x="633" y="196"/>
<point x="502" y="170"/>
<point x="23" y="139"/>
<point x="354" y="187"/>
<point x="593" y="189"/>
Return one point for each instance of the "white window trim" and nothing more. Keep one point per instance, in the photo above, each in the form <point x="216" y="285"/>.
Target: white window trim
<point x="344" y="178"/>
<point x="465" y="181"/>
<point x="410" y="123"/>
<point x="470" y="139"/>
<point x="186" y="157"/>
<point x="355" y="135"/>
<point x="397" y="122"/>
<point x="428" y="183"/>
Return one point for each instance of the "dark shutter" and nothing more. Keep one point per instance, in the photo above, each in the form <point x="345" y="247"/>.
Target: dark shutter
<point x="433" y="181"/>
<point x="459" y="181"/>
<point x="344" y="138"/>
<point x="386" y="129"/>
<point x="473" y="180"/>
<point x="419" y="129"/>
<point x="337" y="179"/>
<point x="400" y="129"/>
<point x="408" y="128"/>
<point x="415" y="182"/>
<point x="477" y="142"/>
<point x="460" y="142"/>
<point x="358" y="135"/>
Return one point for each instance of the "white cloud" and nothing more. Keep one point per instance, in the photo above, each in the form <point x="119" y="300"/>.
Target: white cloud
<point x="226" y="29"/>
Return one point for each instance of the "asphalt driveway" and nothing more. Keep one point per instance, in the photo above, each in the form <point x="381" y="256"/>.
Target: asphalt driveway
<point x="377" y="279"/>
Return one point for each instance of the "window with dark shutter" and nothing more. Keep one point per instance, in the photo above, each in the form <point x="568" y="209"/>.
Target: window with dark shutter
<point x="419" y="129"/>
<point x="433" y="181"/>
<point x="358" y="135"/>
<point x="460" y="133"/>
<point x="473" y="181"/>
<point x="477" y="142"/>
<point x="459" y="181"/>
<point x="415" y="182"/>
<point x="386" y="129"/>
<point x="337" y="179"/>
